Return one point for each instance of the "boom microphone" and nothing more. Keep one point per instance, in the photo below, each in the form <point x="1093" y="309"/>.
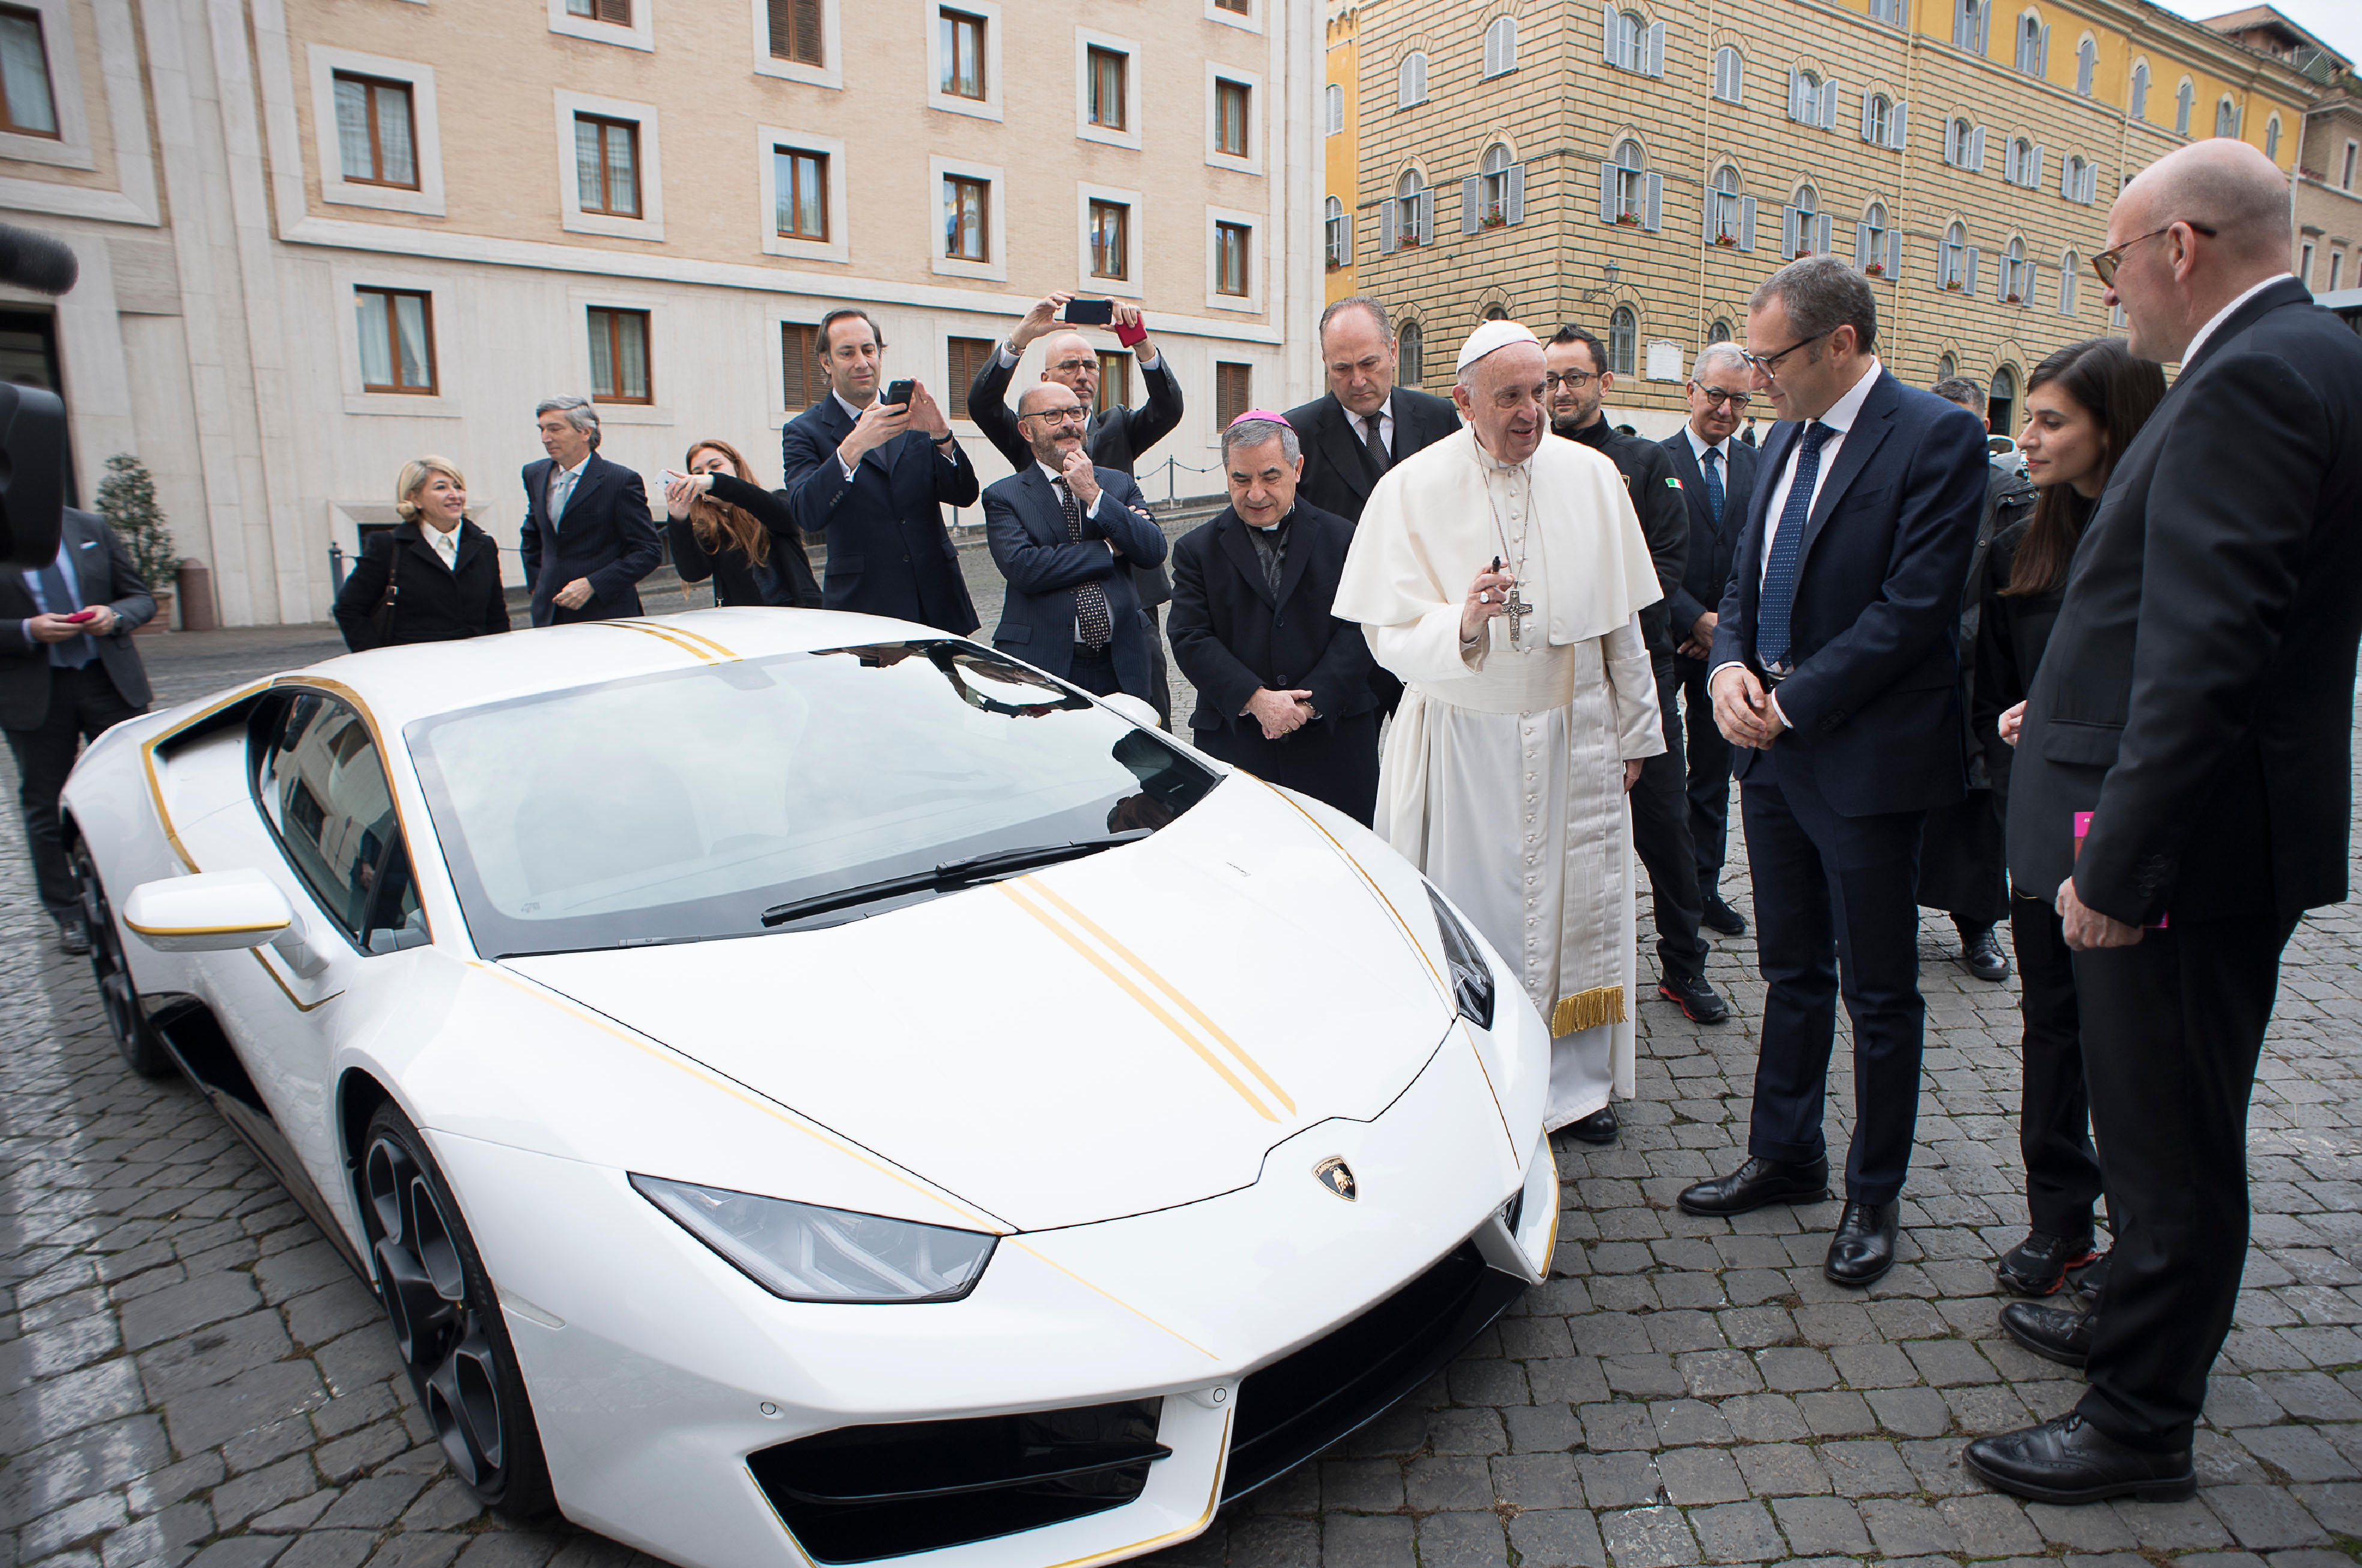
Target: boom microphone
<point x="34" y="261"/>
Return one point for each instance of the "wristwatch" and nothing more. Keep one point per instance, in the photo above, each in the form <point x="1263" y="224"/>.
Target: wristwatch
<point x="946" y="439"/>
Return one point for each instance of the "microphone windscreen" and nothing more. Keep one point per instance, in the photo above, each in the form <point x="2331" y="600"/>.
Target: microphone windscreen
<point x="36" y="261"/>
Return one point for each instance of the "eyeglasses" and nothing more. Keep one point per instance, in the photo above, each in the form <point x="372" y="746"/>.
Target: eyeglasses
<point x="1718" y="397"/>
<point x="1768" y="363"/>
<point x="1075" y="415"/>
<point x="1573" y="380"/>
<point x="2107" y="262"/>
<point x="1068" y="366"/>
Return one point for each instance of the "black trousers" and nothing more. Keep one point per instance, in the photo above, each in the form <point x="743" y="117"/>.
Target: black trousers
<point x="1962" y="855"/>
<point x="2171" y="1029"/>
<point x="1709" y="773"/>
<point x="1661" y="837"/>
<point x="2054" y="1131"/>
<point x="1334" y="761"/>
<point x="1833" y="902"/>
<point x="83" y="704"/>
<point x="1094" y="671"/>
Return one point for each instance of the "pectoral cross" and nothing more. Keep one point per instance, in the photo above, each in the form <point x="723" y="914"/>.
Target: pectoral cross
<point x="1516" y="607"/>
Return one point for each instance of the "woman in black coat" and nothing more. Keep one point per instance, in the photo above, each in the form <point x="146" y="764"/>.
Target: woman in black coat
<point x="739" y="534"/>
<point x="440" y="572"/>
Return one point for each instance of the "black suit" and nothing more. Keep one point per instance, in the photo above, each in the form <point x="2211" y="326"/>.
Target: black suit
<point x="432" y="603"/>
<point x="2197" y="698"/>
<point x="1338" y="472"/>
<point x="49" y="711"/>
<point x="888" y="553"/>
<point x="1705" y="576"/>
<point x="604" y="535"/>
<point x="1025" y="523"/>
<point x="1233" y="633"/>
<point x="785" y="581"/>
<point x="1834" y="807"/>
<point x="1115" y="438"/>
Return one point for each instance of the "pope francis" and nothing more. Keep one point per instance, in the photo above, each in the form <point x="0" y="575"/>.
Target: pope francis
<point x="1499" y="572"/>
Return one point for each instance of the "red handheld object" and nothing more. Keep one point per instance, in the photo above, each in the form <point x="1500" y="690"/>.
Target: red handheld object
<point x="80" y="616"/>
<point x="1130" y="336"/>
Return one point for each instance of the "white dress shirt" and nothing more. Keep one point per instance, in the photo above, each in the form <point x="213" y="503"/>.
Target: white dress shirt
<point x="1700" y="446"/>
<point x="445" y="541"/>
<point x="2215" y="323"/>
<point x="563" y="482"/>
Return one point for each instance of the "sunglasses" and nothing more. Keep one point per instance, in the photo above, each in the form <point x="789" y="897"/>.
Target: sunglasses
<point x="2107" y="262"/>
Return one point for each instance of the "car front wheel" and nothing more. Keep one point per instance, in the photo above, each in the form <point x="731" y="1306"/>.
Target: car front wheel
<point x="118" y="997"/>
<point x="446" y="1321"/>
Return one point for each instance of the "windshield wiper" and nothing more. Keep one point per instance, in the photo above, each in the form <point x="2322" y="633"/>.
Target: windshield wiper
<point x="948" y="875"/>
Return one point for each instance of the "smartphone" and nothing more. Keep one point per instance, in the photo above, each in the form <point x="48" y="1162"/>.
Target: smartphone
<point x="898" y="392"/>
<point x="80" y="616"/>
<point x="670" y="477"/>
<point x="1089" y="313"/>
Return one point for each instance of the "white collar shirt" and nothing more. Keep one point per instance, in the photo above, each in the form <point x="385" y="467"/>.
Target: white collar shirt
<point x="1839" y="419"/>
<point x="563" y="482"/>
<point x="2215" y="323"/>
<point x="1700" y="446"/>
<point x="444" y="542"/>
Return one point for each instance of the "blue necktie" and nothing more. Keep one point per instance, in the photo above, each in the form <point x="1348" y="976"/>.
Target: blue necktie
<point x="1713" y="497"/>
<point x="1778" y="598"/>
<point x="74" y="652"/>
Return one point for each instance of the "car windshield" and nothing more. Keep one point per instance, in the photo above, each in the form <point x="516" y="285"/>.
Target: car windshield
<point x="681" y="807"/>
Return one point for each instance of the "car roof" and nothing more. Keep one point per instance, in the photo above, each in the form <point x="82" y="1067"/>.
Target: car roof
<point x="422" y="679"/>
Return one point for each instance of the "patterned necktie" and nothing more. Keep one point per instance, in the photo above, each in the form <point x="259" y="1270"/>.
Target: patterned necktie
<point x="561" y="491"/>
<point x="1778" y="597"/>
<point x="74" y="652"/>
<point x="1093" y="627"/>
<point x="1380" y="459"/>
<point x="1713" y="497"/>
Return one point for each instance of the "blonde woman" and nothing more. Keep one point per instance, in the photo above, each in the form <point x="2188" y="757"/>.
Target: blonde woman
<point x="435" y="577"/>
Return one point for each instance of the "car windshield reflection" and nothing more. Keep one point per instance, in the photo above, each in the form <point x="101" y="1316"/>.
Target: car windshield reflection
<point x="681" y="807"/>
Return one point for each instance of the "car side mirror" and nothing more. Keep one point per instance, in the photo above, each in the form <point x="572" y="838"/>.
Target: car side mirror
<point x="1137" y="709"/>
<point x="211" y="912"/>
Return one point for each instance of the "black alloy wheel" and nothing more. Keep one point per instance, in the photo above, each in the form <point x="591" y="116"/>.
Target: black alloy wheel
<point x="446" y="1321"/>
<point x="136" y="1038"/>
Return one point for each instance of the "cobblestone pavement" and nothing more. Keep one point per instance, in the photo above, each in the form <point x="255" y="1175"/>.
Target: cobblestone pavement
<point x="187" y="1371"/>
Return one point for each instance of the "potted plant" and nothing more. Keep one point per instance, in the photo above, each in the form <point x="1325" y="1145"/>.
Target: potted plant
<point x="1953" y="287"/>
<point x="2013" y="300"/>
<point x="1727" y="241"/>
<point x="1627" y="219"/>
<point x="1875" y="270"/>
<point x="1493" y="220"/>
<point x="126" y="498"/>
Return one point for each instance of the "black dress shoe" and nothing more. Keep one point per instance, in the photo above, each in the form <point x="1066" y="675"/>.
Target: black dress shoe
<point x="2069" y="1460"/>
<point x="72" y="934"/>
<point x="1757" y="1183"/>
<point x="1980" y="954"/>
<point x="1599" y="1127"/>
<point x="2039" y="1264"/>
<point x="1699" y="1004"/>
<point x="2053" y="1333"/>
<point x="1863" y="1249"/>
<point x="1721" y="916"/>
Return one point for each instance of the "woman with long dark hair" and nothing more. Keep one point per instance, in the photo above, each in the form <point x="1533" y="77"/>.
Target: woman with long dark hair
<point x="2084" y="404"/>
<point x="733" y="531"/>
<point x="434" y="578"/>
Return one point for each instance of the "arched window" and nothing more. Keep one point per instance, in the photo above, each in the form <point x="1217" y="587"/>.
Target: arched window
<point x="1625" y="43"/>
<point x="1335" y="102"/>
<point x="2139" y="105"/>
<point x="1630" y="194"/>
<point x="2087" y="65"/>
<point x="2067" y="266"/>
<point x="1623" y="340"/>
<point x="1878" y="126"/>
<point x="1410" y="349"/>
<point x="1340" y="234"/>
<point x="1730" y="75"/>
<point x="2226" y="119"/>
<point x="1946" y="368"/>
<point x="2014" y="278"/>
<point x="2071" y="175"/>
<point x="2032" y="40"/>
<point x="1411" y="208"/>
<point x="1496" y="313"/>
<point x="2183" y="96"/>
<point x="1719" y="332"/>
<point x="1959" y="143"/>
<point x="1495" y="203"/>
<point x="1410" y="81"/>
<point x="1952" y="258"/>
<point x="1724" y="224"/>
<point x="1969" y="19"/>
<point x="2272" y="138"/>
<point x="1501" y="46"/>
<point x="2001" y="414"/>
<point x="1870" y="241"/>
<point x="1803" y="230"/>
<point x="2021" y="162"/>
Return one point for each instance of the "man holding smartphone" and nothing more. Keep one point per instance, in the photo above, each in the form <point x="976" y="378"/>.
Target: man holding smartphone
<point x="1115" y="437"/>
<point x="68" y="672"/>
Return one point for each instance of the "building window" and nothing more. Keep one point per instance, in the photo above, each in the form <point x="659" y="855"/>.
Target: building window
<point x="27" y="106"/>
<point x="1110" y="249"/>
<point x="2140" y="102"/>
<point x="1230" y="259"/>
<point x="963" y="358"/>
<point x="1971" y="25"/>
<point x="1501" y="46"/>
<point x="2272" y="138"/>
<point x="1622" y="31"/>
<point x="1807" y="232"/>
<point x="795" y="30"/>
<point x="1870" y="241"/>
<point x="1231" y="103"/>
<point x="2016" y="279"/>
<point x="1730" y="217"/>
<point x="1410" y="354"/>
<point x="1412" y="203"/>
<point x="2033" y="46"/>
<point x="1340" y="234"/>
<point x="2023" y="167"/>
<point x="2345" y="180"/>
<point x="1887" y="11"/>
<point x="397" y="338"/>
<point x="2226" y="119"/>
<point x="1951" y="258"/>
<point x="1628" y="195"/>
<point x="1964" y="146"/>
<point x="1730" y="75"/>
<point x="1335" y="99"/>
<point x="1810" y="102"/>
<point x="1106" y="69"/>
<point x="1410" y="81"/>
<point x="2183" y="96"/>
<point x="1232" y="391"/>
<point x="618" y="12"/>
<point x="2067" y="266"/>
<point x="607" y="165"/>
<point x="962" y="39"/>
<point x="1236" y="7"/>
<point x="373" y="125"/>
<point x="619" y="356"/>
<point x="1946" y="368"/>
<point x="2336" y="263"/>
<point x="2001" y="413"/>
<point x="799" y="381"/>
<point x="966" y="208"/>
<point x="1115" y="380"/>
<point x="1878" y="123"/>
<point x="1623" y="340"/>
<point x="1500" y="190"/>
<point x="2087" y="65"/>
<point x="1719" y="332"/>
<point x="801" y="182"/>
<point x="2304" y="265"/>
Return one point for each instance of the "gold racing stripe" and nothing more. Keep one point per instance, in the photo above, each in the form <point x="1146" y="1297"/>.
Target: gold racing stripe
<point x="1161" y="983"/>
<point x="691" y="649"/>
<point x="719" y="650"/>
<point x="1125" y="983"/>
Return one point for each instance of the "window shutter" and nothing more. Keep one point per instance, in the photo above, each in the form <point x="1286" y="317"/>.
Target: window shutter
<point x="2042" y="55"/>
<point x="1516" y="196"/>
<point x="2091" y="183"/>
<point x="1607" y="192"/>
<point x="2034" y="168"/>
<point x="1896" y="126"/>
<point x="1969" y="273"/>
<point x="1389" y="223"/>
<point x="796" y="354"/>
<point x="1788" y="216"/>
<point x="1866" y="127"/>
<point x="1821" y="233"/>
<point x="2066" y="178"/>
<point x="1427" y="215"/>
<point x="1654" y="62"/>
<point x="1976" y="163"/>
<point x="2033" y="281"/>
<point x="1468" y="204"/>
<point x="1747" y="223"/>
<point x="1492" y="49"/>
<point x="1653" y="214"/>
<point x="1607" y="31"/>
<point x="616" y="11"/>
<point x="1861" y="254"/>
<point x="1902" y="14"/>
<point x="1828" y="106"/>
<point x="1796" y="93"/>
<point x="1939" y="264"/>
<point x="1984" y="26"/>
<point x="1508" y="43"/>
<point x="1895" y="253"/>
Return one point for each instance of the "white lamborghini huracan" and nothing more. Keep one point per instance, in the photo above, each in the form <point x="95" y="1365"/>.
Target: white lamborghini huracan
<point x="806" y="1088"/>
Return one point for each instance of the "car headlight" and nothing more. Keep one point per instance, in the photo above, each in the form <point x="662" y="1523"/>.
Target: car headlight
<point x="1472" y="977"/>
<point x="805" y="1253"/>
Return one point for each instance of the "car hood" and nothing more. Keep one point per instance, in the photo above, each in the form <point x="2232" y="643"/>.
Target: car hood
<point x="1109" y="1036"/>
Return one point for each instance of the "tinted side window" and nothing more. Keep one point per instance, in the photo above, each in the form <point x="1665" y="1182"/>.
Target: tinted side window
<point x="322" y="787"/>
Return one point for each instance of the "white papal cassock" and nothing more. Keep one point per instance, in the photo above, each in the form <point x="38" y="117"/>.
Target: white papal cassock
<point x="1503" y="775"/>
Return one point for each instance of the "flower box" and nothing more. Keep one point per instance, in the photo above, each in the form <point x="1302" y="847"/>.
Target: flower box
<point x="1953" y="287"/>
<point x="1874" y="270"/>
<point x="2013" y="299"/>
<point x="1725" y="241"/>
<point x="1491" y="221"/>
<point x="1626" y="221"/>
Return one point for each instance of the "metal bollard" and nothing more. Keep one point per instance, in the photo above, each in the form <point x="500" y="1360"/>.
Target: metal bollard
<point x="335" y="567"/>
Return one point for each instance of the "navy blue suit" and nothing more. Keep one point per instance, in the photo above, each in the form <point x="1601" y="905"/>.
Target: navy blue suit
<point x="605" y="536"/>
<point x="1835" y="807"/>
<point x="1026" y="527"/>
<point x="1704" y="575"/>
<point x="888" y="553"/>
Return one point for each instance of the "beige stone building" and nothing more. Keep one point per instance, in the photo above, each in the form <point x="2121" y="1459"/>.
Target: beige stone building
<point x="2328" y="184"/>
<point x="1639" y="167"/>
<point x="321" y="236"/>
